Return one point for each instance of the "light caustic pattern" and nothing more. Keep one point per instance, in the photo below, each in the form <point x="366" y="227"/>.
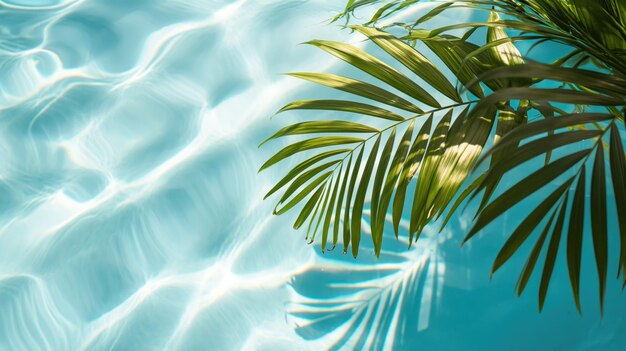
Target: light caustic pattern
<point x="131" y="214"/>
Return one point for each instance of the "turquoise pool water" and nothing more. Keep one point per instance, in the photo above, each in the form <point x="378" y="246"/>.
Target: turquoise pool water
<point x="131" y="213"/>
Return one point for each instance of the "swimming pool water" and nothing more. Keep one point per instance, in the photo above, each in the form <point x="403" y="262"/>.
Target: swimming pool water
<point x="132" y="216"/>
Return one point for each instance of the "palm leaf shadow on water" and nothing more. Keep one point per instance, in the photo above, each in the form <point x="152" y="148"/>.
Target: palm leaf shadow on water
<point x="371" y="302"/>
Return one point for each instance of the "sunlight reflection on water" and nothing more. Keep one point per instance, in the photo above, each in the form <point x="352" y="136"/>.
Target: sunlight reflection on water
<point x="132" y="216"/>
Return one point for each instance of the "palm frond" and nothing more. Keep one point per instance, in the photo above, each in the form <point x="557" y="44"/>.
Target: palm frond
<point x="571" y="22"/>
<point x="534" y="184"/>
<point x="579" y="97"/>
<point x="441" y="158"/>
<point x="586" y="88"/>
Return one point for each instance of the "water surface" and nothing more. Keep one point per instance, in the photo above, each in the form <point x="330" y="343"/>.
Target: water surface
<point x="131" y="214"/>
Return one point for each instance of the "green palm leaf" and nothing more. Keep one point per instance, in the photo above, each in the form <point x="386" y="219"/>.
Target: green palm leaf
<point x="375" y="173"/>
<point x="618" y="170"/>
<point x="309" y="144"/>
<point x="397" y="164"/>
<point x="410" y="167"/>
<point x="427" y="173"/>
<point x="352" y="106"/>
<point x="527" y="226"/>
<point x="579" y="99"/>
<point x="376" y="68"/>
<point x="411" y="59"/>
<point x="575" y="238"/>
<point x="523" y="189"/>
<point x="553" y="249"/>
<point x="599" y="219"/>
<point x="356" y="87"/>
<point x="531" y="262"/>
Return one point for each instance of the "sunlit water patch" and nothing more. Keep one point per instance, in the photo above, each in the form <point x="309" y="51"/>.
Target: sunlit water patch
<point x="131" y="214"/>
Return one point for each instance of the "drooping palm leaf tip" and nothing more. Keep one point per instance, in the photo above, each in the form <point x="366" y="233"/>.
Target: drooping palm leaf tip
<point x="509" y="112"/>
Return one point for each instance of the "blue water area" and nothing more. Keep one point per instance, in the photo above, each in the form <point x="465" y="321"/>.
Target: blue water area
<point x="131" y="212"/>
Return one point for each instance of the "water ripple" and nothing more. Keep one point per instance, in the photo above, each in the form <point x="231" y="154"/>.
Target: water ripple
<point x="122" y="122"/>
<point x="132" y="216"/>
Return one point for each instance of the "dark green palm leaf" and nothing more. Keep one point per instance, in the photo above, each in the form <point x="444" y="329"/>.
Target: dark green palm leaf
<point x="531" y="150"/>
<point x="531" y="262"/>
<point x="544" y="126"/>
<point x="580" y="97"/>
<point x="599" y="219"/>
<point x="575" y="238"/>
<point x="553" y="249"/>
<point x="618" y="176"/>
<point x="606" y="83"/>
<point x="527" y="226"/>
<point x="524" y="188"/>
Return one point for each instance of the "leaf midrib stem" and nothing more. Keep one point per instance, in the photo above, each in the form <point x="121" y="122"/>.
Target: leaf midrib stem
<point x="398" y="123"/>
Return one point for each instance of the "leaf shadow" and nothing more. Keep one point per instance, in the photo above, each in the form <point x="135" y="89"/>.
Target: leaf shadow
<point x="368" y="303"/>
